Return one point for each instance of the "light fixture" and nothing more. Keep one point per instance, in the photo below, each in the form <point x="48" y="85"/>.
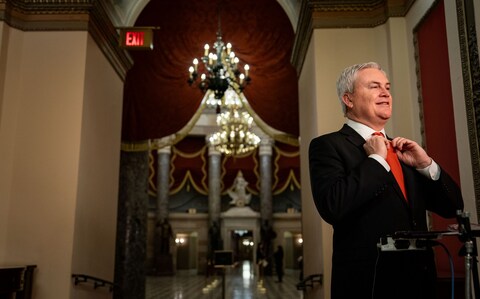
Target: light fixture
<point x="221" y="68"/>
<point x="181" y="239"/>
<point x="222" y="79"/>
<point x="234" y="137"/>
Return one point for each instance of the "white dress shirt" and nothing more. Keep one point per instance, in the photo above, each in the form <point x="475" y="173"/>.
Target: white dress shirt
<point x="432" y="171"/>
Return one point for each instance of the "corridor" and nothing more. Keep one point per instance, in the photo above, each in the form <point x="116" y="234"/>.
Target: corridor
<point x="241" y="282"/>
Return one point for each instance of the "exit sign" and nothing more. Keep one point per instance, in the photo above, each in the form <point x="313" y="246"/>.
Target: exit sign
<point x="136" y="38"/>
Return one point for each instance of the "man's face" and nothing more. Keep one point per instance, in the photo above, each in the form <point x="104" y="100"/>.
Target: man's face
<point x="371" y="102"/>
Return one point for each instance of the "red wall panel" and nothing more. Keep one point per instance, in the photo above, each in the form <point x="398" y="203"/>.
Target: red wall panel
<point x="438" y="116"/>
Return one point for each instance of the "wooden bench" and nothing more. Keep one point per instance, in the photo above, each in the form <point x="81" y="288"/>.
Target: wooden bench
<point x="16" y="281"/>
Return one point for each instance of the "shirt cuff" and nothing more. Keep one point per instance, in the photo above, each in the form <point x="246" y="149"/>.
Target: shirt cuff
<point x="380" y="160"/>
<point x="432" y="171"/>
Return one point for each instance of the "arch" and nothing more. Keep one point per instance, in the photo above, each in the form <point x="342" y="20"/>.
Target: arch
<point x="134" y="10"/>
<point x="292" y="10"/>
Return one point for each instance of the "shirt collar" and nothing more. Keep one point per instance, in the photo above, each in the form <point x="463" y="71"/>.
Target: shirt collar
<point x="362" y="129"/>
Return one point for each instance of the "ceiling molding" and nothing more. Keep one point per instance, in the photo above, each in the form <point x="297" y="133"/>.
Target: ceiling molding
<point x="28" y="15"/>
<point x="69" y="15"/>
<point x="341" y="14"/>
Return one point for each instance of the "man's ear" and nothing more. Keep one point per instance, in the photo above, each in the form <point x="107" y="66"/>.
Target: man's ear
<point x="346" y="98"/>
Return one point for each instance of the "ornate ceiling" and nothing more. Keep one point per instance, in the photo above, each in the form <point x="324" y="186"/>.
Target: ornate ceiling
<point x="158" y="102"/>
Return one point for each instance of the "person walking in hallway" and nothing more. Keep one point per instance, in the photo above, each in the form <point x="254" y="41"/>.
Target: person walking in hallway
<point x="368" y="185"/>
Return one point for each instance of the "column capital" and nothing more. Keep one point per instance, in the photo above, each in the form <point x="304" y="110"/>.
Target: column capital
<point x="164" y="150"/>
<point x="265" y="147"/>
<point x="212" y="151"/>
<point x="163" y="142"/>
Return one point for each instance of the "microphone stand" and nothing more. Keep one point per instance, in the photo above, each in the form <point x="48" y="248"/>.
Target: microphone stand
<point x="469" y="250"/>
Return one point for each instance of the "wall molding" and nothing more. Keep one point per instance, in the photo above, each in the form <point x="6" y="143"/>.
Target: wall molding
<point x="69" y="15"/>
<point x="316" y="14"/>
<point x="471" y="82"/>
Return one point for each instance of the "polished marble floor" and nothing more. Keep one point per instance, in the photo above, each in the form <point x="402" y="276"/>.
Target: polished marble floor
<point x="241" y="282"/>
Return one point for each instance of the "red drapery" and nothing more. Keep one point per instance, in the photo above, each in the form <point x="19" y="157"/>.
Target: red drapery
<point x="438" y="117"/>
<point x="189" y="168"/>
<point x="157" y="99"/>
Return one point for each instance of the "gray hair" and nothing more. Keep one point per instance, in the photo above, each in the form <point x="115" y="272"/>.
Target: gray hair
<point x="346" y="81"/>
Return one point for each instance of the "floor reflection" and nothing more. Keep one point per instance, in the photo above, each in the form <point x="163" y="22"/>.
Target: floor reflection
<point x="241" y="282"/>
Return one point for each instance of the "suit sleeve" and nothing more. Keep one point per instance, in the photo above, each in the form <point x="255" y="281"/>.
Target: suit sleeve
<point x="343" y="179"/>
<point x="444" y="197"/>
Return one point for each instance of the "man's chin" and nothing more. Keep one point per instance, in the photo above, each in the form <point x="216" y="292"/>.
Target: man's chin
<point x="385" y="116"/>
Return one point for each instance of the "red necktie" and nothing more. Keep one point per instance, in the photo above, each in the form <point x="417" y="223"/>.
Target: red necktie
<point x="395" y="167"/>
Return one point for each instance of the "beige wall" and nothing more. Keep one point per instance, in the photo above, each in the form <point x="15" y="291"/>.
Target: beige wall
<point x="316" y="256"/>
<point x="59" y="157"/>
<point x="8" y="108"/>
<point x="96" y="209"/>
<point x="45" y="130"/>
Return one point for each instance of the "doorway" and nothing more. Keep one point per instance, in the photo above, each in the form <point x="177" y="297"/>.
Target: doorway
<point x="293" y="250"/>
<point x="186" y="249"/>
<point x="242" y="245"/>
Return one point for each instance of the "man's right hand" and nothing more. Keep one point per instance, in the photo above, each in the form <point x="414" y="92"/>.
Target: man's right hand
<point x="376" y="145"/>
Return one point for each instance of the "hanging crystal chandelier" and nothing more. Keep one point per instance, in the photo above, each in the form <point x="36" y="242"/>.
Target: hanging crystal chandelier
<point x="222" y="76"/>
<point x="222" y="68"/>
<point x="234" y="137"/>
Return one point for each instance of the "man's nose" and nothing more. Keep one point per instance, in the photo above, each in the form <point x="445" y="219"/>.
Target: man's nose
<point x="385" y="92"/>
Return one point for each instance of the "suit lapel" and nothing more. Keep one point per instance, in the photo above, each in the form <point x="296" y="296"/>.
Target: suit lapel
<point x="353" y="137"/>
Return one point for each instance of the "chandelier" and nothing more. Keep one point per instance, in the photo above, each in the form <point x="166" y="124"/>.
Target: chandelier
<point x="222" y="68"/>
<point x="234" y="137"/>
<point x="222" y="77"/>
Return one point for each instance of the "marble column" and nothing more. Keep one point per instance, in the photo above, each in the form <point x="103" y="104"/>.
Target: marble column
<point x="265" y="156"/>
<point x="163" y="175"/>
<point x="163" y="236"/>
<point x="131" y="237"/>
<point x="266" y="210"/>
<point x="214" y="191"/>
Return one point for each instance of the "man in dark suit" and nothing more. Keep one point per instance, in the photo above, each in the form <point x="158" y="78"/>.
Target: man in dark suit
<point x="355" y="191"/>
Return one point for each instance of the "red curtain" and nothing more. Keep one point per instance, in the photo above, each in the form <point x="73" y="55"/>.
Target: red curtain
<point x="189" y="165"/>
<point x="157" y="98"/>
<point x="189" y="168"/>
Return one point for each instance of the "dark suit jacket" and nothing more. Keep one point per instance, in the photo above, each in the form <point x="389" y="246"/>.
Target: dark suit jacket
<point x="363" y="202"/>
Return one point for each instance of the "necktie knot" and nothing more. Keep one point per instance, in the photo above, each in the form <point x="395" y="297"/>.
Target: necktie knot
<point x="378" y="134"/>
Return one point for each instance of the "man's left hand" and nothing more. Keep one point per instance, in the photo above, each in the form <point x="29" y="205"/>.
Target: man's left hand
<point x="410" y="153"/>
